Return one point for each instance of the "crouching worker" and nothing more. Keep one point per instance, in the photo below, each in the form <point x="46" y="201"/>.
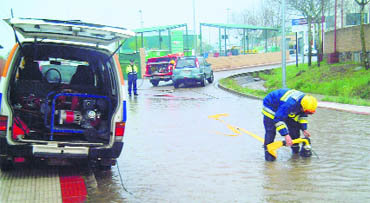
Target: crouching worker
<point x="285" y="110"/>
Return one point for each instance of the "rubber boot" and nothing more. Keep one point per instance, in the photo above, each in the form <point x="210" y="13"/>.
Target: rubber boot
<point x="305" y="152"/>
<point x="268" y="156"/>
<point x="295" y="148"/>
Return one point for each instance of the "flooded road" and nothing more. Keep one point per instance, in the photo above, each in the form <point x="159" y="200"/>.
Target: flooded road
<point x="175" y="153"/>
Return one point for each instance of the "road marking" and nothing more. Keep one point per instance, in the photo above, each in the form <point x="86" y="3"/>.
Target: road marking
<point x="235" y="129"/>
<point x="253" y="135"/>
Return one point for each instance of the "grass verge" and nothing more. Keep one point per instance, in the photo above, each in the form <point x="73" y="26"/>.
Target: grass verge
<point x="346" y="83"/>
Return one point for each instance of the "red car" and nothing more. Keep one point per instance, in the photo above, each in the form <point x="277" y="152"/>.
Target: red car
<point x="161" y="68"/>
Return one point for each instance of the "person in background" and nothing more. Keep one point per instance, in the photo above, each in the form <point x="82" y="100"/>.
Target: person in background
<point x="131" y="71"/>
<point x="285" y="110"/>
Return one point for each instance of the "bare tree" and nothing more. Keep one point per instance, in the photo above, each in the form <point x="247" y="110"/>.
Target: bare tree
<point x="266" y="14"/>
<point x="364" y="58"/>
<point x="270" y="13"/>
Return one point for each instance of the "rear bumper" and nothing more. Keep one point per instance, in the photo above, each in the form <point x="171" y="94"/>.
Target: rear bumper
<point x="45" y="151"/>
<point x="166" y="77"/>
<point x="188" y="78"/>
<point x="113" y="152"/>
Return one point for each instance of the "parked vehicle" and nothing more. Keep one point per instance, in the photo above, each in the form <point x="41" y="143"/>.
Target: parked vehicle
<point x="314" y="51"/>
<point x="160" y="68"/>
<point x="62" y="94"/>
<point x="192" y="69"/>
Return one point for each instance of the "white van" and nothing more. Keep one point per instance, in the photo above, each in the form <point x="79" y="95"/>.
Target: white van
<point x="62" y="94"/>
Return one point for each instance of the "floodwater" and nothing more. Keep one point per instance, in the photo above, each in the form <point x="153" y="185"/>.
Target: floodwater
<point x="175" y="153"/>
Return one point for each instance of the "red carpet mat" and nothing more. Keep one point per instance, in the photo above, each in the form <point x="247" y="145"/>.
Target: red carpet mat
<point x="73" y="189"/>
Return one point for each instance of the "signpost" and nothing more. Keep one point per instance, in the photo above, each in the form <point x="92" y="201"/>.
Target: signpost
<point x="298" y="25"/>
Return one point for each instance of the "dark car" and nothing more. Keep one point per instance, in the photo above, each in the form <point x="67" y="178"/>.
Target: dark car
<point x="192" y="69"/>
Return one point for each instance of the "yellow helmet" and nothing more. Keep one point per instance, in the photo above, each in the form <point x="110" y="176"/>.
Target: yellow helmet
<point x="309" y="104"/>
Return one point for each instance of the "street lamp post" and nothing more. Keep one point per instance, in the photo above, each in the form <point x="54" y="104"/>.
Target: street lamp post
<point x="335" y="27"/>
<point x="141" y="18"/>
<point x="283" y="44"/>
<point x="228" y="11"/>
<point x="194" y="29"/>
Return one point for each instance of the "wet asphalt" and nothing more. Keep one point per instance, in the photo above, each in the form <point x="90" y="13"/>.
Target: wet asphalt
<point x="174" y="152"/>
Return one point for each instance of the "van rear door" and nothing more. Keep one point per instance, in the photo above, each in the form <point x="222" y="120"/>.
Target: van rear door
<point x="76" y="31"/>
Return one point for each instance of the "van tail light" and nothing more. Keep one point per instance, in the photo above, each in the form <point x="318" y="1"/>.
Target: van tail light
<point x="19" y="160"/>
<point x="3" y="123"/>
<point x="120" y="130"/>
<point x="197" y="63"/>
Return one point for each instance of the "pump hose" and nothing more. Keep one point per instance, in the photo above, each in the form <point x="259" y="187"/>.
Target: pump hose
<point x="121" y="180"/>
<point x="315" y="153"/>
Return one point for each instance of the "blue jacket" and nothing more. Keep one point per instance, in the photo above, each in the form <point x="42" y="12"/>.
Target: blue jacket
<point x="282" y="104"/>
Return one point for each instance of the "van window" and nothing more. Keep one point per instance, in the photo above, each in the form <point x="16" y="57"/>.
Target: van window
<point x="66" y="68"/>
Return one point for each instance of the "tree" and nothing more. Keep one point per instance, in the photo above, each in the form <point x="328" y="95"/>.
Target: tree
<point x="311" y="10"/>
<point x="206" y="47"/>
<point x="266" y="13"/>
<point x="364" y="58"/>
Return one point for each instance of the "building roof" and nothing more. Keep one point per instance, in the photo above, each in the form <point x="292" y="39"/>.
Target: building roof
<point x="159" y="28"/>
<point x="238" y="26"/>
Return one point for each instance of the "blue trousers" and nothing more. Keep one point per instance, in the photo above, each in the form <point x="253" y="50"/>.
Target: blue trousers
<point x="132" y="82"/>
<point x="270" y="133"/>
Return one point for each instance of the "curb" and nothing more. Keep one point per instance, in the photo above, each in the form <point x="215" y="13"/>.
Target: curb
<point x="329" y="105"/>
<point x="326" y="105"/>
<point x="238" y="93"/>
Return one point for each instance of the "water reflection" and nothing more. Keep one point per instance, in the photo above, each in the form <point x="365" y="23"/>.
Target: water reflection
<point x="109" y="188"/>
<point x="173" y="153"/>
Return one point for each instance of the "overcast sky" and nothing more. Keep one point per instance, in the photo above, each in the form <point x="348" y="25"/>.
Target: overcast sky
<point x="122" y="13"/>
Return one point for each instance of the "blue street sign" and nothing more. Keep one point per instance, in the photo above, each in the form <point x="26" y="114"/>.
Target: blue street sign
<point x="301" y="21"/>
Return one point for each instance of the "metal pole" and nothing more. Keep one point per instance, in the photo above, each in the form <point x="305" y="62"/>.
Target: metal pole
<point x="142" y="40"/>
<point x="248" y="41"/>
<point x="266" y="41"/>
<point x="318" y="51"/>
<point x="302" y="46"/>
<point x="228" y="10"/>
<point x="342" y="21"/>
<point x="136" y="42"/>
<point x="194" y="29"/>
<point x="200" y="39"/>
<point x="335" y="28"/>
<point x="141" y="18"/>
<point x="283" y="45"/>
<point x="322" y="29"/>
<point x="160" y="39"/>
<point x="296" y="49"/>
<point x="219" y="39"/>
<point x="169" y="41"/>
<point x="225" y="42"/>
<point x="187" y="38"/>
<point x="243" y="41"/>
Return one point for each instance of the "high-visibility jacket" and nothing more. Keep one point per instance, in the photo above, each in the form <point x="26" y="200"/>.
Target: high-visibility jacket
<point x="131" y="69"/>
<point x="282" y="104"/>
